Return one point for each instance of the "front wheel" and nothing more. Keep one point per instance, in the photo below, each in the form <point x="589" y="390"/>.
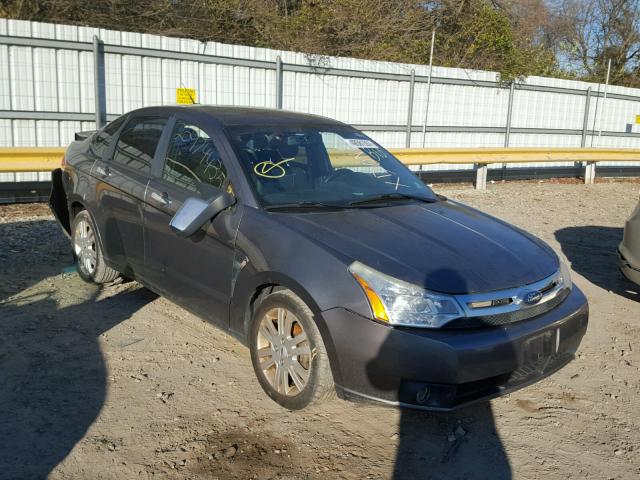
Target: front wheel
<point x="287" y="352"/>
<point x="87" y="253"/>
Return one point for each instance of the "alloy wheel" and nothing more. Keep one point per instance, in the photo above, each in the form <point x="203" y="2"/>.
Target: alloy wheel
<point x="284" y="352"/>
<point x="84" y="245"/>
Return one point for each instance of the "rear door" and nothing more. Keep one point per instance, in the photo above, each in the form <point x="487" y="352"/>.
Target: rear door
<point x="195" y="271"/>
<point x="123" y="179"/>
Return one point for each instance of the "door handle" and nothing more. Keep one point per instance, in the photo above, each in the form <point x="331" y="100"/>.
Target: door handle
<point x="161" y="198"/>
<point x="103" y="171"/>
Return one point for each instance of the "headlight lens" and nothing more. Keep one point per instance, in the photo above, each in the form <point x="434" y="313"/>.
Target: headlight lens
<point x="401" y="303"/>
<point x="565" y="275"/>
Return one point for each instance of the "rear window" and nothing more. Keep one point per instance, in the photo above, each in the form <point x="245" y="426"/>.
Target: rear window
<point x="138" y="142"/>
<point x="102" y="139"/>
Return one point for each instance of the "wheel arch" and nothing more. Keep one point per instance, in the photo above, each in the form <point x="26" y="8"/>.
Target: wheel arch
<point x="250" y="289"/>
<point x="77" y="205"/>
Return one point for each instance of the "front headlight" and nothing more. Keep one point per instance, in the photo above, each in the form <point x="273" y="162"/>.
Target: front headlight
<point x="565" y="274"/>
<point x="401" y="303"/>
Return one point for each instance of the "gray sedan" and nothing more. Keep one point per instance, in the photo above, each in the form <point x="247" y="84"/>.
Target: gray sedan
<point x="317" y="248"/>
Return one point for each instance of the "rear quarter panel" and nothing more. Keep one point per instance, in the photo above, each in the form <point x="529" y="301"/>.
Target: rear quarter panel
<point x="76" y="178"/>
<point x="77" y="172"/>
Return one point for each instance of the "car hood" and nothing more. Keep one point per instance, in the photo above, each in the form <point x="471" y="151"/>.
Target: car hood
<point x="444" y="246"/>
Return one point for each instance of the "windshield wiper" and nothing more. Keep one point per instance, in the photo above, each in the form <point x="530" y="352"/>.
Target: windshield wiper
<point x="385" y="197"/>
<point x="304" y="206"/>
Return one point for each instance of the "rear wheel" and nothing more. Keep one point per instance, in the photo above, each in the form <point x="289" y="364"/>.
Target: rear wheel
<point x="287" y="352"/>
<point x="87" y="253"/>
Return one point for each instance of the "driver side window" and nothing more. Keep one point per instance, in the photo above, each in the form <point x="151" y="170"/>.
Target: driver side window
<point x="193" y="161"/>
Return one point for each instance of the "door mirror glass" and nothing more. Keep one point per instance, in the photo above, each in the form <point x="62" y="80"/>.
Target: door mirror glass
<point x="195" y="212"/>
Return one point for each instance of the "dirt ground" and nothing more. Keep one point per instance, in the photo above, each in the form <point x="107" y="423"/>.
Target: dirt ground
<point x="117" y="383"/>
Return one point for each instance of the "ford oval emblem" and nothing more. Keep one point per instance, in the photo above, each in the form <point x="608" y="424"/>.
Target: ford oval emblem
<point x="532" y="297"/>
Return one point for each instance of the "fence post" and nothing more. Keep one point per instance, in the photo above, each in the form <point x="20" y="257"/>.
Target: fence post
<point x="412" y="84"/>
<point x="426" y="106"/>
<point x="590" y="173"/>
<point x="585" y="121"/>
<point x="590" y="167"/>
<point x="481" y="176"/>
<point x="279" y="82"/>
<point x="99" y="82"/>
<point x="507" y="132"/>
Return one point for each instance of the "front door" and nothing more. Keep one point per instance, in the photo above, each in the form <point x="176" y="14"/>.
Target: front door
<point x="196" y="271"/>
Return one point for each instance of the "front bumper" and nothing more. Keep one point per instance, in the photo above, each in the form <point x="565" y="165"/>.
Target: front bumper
<point x="629" y="249"/>
<point x="445" y="369"/>
<point x="632" y="272"/>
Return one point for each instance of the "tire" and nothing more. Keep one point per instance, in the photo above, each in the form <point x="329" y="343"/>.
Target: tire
<point x="87" y="252"/>
<point x="289" y="317"/>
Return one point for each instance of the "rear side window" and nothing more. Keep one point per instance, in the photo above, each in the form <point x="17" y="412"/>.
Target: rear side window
<point x="102" y="139"/>
<point x="193" y="161"/>
<point x="138" y="142"/>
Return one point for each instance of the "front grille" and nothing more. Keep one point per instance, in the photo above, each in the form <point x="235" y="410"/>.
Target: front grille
<point x="499" y="302"/>
<point x="509" y="317"/>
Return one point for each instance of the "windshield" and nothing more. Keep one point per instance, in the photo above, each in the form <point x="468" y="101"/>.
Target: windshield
<point x="332" y="166"/>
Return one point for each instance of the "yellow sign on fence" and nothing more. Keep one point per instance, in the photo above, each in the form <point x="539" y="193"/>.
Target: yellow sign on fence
<point x="638" y="119"/>
<point x="186" y="96"/>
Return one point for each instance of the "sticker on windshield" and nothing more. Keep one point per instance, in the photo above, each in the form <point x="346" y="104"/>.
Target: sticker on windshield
<point x="360" y="143"/>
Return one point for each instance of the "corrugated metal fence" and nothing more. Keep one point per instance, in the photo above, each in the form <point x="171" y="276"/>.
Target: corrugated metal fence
<point x="48" y="91"/>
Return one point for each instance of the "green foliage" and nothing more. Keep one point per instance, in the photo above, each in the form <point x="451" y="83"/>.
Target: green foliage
<point x="475" y="34"/>
<point x="482" y="37"/>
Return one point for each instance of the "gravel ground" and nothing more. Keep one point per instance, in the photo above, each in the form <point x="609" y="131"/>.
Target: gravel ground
<point x="119" y="383"/>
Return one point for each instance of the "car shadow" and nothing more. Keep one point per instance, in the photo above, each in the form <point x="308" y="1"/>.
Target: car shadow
<point x="592" y="251"/>
<point x="53" y="376"/>
<point x="461" y="444"/>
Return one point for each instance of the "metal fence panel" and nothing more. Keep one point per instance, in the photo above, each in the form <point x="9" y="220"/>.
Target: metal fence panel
<point x="47" y="92"/>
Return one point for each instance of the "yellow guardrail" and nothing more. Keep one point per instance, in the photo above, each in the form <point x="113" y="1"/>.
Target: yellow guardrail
<point x="485" y="156"/>
<point x="37" y="159"/>
<point x="41" y="159"/>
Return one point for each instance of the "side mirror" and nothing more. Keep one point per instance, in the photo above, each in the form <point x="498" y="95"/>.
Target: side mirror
<point x="195" y="212"/>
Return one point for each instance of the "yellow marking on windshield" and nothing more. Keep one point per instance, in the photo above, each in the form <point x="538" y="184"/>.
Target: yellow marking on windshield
<point x="265" y="168"/>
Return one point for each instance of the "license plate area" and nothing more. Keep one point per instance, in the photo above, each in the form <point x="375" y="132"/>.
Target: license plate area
<point x="539" y="347"/>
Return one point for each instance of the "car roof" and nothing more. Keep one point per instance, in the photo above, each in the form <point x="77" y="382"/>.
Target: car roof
<point x="243" y="116"/>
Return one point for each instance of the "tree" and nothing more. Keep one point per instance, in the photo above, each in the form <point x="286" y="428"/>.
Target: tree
<point x="471" y="33"/>
<point x="598" y="30"/>
<point x="483" y="34"/>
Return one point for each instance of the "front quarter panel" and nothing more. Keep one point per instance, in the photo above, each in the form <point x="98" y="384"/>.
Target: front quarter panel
<point x="272" y="254"/>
